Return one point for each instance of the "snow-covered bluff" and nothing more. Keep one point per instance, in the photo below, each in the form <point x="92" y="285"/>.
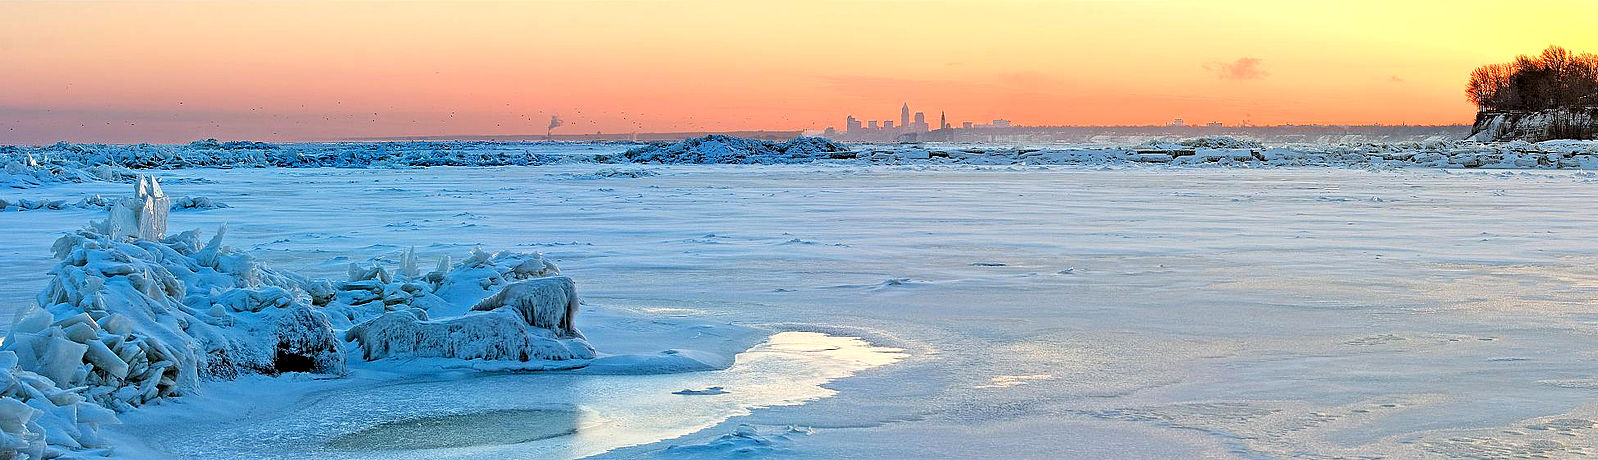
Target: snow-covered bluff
<point x="133" y="317"/>
<point x="1577" y="123"/>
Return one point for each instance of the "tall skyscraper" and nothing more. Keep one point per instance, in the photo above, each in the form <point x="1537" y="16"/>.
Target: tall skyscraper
<point x="904" y="115"/>
<point x="851" y="125"/>
<point x="943" y="120"/>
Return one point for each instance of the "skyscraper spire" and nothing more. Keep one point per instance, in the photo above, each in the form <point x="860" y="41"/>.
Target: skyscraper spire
<point x="904" y="116"/>
<point x="943" y="120"/>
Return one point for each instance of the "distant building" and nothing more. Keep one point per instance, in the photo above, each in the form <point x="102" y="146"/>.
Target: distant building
<point x="1214" y="124"/>
<point x="1001" y="123"/>
<point x="1177" y="123"/>
<point x="966" y="125"/>
<point x="910" y="127"/>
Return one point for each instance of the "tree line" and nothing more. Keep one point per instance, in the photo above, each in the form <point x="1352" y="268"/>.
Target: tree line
<point x="1555" y="79"/>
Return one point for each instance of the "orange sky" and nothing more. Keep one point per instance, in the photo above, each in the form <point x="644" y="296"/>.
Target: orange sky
<point x="178" y="71"/>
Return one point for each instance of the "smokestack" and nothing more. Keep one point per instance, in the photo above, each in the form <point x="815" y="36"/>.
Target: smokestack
<point x="554" y="122"/>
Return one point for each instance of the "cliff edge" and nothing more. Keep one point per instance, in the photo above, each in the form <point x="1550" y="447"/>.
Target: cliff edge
<point x="1535" y="126"/>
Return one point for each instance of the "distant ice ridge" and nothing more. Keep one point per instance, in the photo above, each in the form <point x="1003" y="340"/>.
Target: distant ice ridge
<point x="719" y="149"/>
<point x="98" y="202"/>
<point x="131" y="316"/>
<point x="33" y="166"/>
<point x="1229" y="152"/>
<point x="20" y="169"/>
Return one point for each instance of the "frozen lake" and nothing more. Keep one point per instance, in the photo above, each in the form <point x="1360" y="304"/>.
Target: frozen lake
<point x="1137" y="312"/>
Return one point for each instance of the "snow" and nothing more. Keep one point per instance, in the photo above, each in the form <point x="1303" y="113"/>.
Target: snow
<point x="548" y="303"/>
<point x="1099" y="308"/>
<point x="75" y="163"/>
<point x="1506" y="125"/>
<point x="496" y="335"/>
<point x="745" y="441"/>
<point x="719" y="149"/>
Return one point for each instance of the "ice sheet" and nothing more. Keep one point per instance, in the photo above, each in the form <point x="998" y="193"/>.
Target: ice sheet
<point x="1249" y="312"/>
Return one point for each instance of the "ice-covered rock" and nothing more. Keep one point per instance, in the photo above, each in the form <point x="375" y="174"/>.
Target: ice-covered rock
<point x="549" y="303"/>
<point x="477" y="276"/>
<point x="527" y="317"/>
<point x="494" y="335"/>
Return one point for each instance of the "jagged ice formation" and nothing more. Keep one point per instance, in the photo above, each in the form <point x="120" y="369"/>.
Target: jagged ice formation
<point x="131" y="317"/>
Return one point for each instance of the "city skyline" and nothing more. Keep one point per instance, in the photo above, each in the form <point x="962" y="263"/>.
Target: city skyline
<point x="905" y="130"/>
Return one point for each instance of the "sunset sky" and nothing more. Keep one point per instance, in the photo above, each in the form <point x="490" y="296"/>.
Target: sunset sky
<point x="282" y="71"/>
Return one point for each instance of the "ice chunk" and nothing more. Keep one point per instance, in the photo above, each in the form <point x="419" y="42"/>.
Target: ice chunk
<point x="495" y="335"/>
<point x="408" y="264"/>
<point x="549" y="303"/>
<point x="306" y="343"/>
<point x="744" y="441"/>
<point x="144" y="215"/>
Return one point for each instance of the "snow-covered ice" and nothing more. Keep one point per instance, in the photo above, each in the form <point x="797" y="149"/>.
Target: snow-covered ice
<point x="34" y="166"/>
<point x="1108" y="309"/>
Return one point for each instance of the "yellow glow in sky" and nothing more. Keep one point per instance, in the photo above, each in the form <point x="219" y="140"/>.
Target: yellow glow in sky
<point x="177" y="71"/>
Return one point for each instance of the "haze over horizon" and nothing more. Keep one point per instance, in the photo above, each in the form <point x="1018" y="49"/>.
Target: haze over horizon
<point x="285" y="71"/>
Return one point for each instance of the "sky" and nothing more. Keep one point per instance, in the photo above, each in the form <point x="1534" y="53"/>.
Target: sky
<point x="176" y="71"/>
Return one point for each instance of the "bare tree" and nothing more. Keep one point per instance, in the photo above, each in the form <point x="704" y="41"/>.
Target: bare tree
<point x="1554" y="79"/>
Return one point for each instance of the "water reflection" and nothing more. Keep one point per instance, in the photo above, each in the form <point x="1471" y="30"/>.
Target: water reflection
<point x="510" y="426"/>
<point x="528" y="415"/>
